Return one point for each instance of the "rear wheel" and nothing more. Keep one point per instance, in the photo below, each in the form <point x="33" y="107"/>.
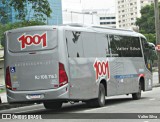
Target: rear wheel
<point x="100" y="101"/>
<point x="137" y="95"/>
<point x="53" y="105"/>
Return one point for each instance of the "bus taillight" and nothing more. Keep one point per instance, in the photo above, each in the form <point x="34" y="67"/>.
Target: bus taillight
<point x="8" y="79"/>
<point x="63" y="78"/>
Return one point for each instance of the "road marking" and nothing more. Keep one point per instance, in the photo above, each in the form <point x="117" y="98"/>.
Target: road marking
<point x="152" y="99"/>
<point x="94" y="109"/>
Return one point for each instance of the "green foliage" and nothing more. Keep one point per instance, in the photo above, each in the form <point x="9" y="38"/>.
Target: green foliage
<point x="5" y="11"/>
<point x="40" y="8"/>
<point x="147" y="21"/>
<point x="147" y="26"/>
<point x="10" y="26"/>
<point x="151" y="37"/>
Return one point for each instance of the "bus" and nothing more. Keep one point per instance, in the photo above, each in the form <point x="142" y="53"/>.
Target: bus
<point x="58" y="64"/>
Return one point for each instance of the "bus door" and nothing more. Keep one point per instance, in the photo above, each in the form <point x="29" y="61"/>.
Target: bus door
<point x="81" y="48"/>
<point x="147" y="59"/>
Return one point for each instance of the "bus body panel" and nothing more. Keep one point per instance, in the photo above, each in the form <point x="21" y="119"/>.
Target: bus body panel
<point x="34" y="67"/>
<point x="33" y="64"/>
<point x="38" y="95"/>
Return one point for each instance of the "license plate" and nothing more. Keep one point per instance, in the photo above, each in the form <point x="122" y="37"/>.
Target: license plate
<point x="35" y="96"/>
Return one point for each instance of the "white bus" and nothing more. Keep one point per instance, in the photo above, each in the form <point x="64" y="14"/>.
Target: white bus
<point x="57" y="64"/>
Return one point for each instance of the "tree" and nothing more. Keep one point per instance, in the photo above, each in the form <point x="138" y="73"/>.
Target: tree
<point x="147" y="22"/>
<point x="15" y="25"/>
<point x="5" y="11"/>
<point x="40" y="9"/>
<point x="151" y="37"/>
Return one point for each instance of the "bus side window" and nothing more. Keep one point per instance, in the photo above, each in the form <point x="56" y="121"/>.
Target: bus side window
<point x="115" y="42"/>
<point x="125" y="46"/>
<point x="102" y="42"/>
<point x="147" y="54"/>
<point x="74" y="44"/>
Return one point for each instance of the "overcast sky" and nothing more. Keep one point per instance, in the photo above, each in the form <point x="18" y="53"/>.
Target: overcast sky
<point x="88" y="4"/>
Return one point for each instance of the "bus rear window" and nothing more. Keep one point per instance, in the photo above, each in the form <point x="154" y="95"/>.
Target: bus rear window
<point x="31" y="41"/>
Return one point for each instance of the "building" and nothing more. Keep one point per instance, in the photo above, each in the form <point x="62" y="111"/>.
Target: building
<point x="146" y="2"/>
<point x="81" y="17"/>
<point x="107" y="19"/>
<point x="100" y="17"/>
<point x="128" y="11"/>
<point x="89" y="12"/>
<point x="6" y="12"/>
<point x="56" y="15"/>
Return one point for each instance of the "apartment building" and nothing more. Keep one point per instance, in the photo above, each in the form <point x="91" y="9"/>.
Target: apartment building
<point x="107" y="19"/>
<point x="128" y="11"/>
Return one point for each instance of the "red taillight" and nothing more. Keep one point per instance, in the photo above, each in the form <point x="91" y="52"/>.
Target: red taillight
<point x="8" y="79"/>
<point x="63" y="79"/>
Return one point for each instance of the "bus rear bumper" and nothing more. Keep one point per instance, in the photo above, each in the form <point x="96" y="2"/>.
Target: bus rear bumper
<point x="61" y="93"/>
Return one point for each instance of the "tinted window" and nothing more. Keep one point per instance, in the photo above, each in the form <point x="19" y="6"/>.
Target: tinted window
<point x="102" y="45"/>
<point x="33" y="40"/>
<point x="147" y="51"/>
<point x="74" y="44"/>
<point x="124" y="46"/>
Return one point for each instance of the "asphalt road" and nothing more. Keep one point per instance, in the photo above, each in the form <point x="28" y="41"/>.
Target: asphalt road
<point x="150" y="103"/>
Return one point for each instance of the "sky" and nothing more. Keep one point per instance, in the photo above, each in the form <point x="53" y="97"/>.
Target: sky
<point x="78" y="5"/>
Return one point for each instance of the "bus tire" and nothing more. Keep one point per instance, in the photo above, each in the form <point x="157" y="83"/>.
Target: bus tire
<point x="53" y="105"/>
<point x="100" y="101"/>
<point x="137" y="96"/>
<point x="101" y="96"/>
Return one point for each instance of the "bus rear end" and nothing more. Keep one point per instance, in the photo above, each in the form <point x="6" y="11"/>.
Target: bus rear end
<point x="33" y="72"/>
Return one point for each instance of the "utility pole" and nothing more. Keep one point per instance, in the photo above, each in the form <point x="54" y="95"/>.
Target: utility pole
<point x="157" y="27"/>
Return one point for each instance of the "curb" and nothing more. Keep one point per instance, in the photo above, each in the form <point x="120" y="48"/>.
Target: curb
<point x="5" y="106"/>
<point x="156" y="85"/>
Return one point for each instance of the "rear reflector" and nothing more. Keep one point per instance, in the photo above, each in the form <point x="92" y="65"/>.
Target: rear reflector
<point x="8" y="79"/>
<point x="63" y="78"/>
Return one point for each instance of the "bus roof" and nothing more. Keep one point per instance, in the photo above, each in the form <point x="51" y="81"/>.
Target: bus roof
<point x="102" y="29"/>
<point x="80" y="27"/>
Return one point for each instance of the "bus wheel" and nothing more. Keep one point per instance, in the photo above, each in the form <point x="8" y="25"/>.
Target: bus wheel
<point x="100" y="101"/>
<point x="53" y="105"/>
<point x="137" y="95"/>
<point x="101" y="96"/>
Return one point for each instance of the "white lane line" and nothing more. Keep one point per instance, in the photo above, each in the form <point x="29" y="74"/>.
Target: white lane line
<point x="94" y="109"/>
<point x="152" y="99"/>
